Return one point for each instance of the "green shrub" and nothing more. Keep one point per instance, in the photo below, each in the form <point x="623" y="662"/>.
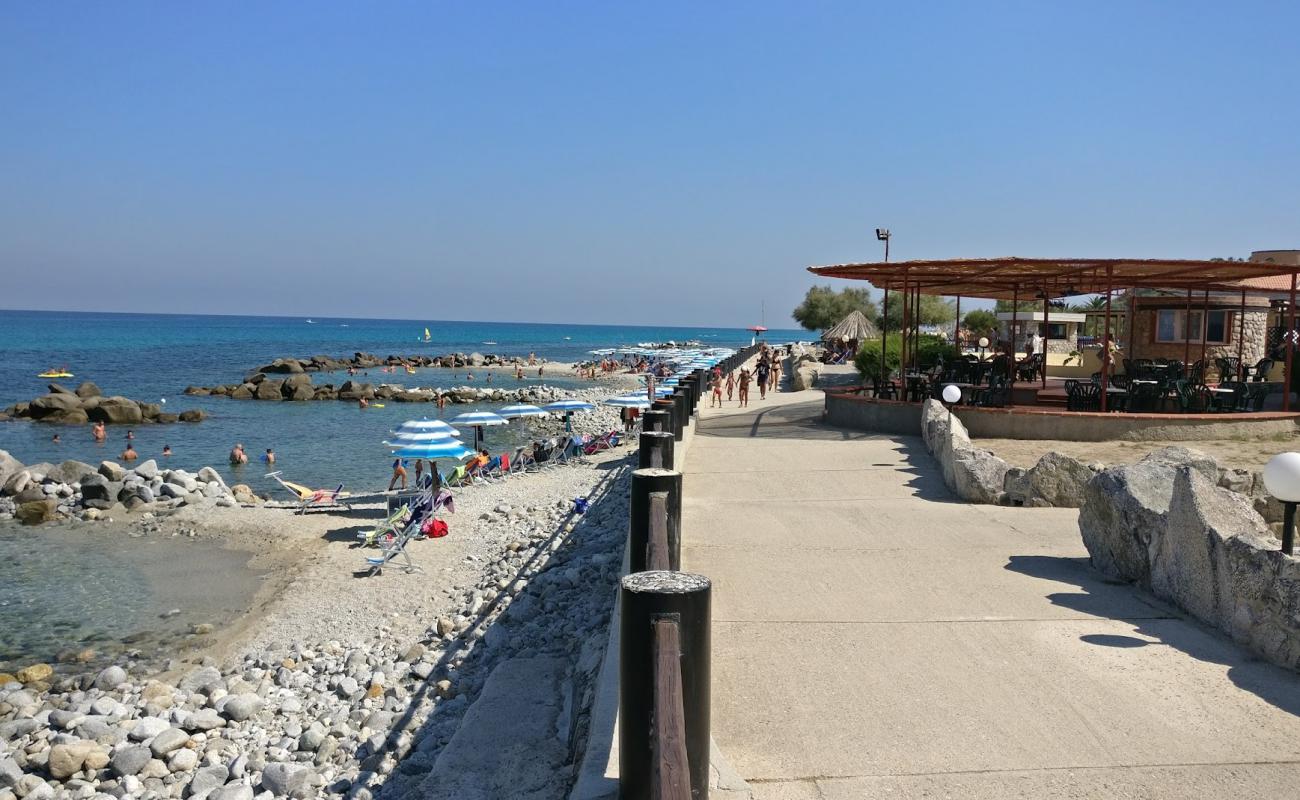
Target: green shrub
<point x="930" y="349"/>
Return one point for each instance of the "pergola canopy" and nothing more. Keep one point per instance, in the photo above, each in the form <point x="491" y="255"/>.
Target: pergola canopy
<point x="1009" y="277"/>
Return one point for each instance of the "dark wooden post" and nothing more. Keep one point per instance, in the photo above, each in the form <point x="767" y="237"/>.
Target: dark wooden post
<point x="656" y="450"/>
<point x="657" y="419"/>
<point x="1105" y="345"/>
<point x="1241" y="338"/>
<point x="884" y="337"/>
<point x="1289" y="343"/>
<point x="646" y="599"/>
<point x="682" y="412"/>
<point x="647" y="482"/>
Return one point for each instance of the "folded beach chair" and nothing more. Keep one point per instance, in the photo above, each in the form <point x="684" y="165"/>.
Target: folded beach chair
<point x="394" y="547"/>
<point x="312" y="498"/>
<point x="387" y="528"/>
<point x="606" y="441"/>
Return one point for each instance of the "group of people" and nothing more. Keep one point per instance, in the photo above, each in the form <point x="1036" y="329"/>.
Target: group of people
<point x="99" y="432"/>
<point x="238" y="456"/>
<point x="766" y="375"/>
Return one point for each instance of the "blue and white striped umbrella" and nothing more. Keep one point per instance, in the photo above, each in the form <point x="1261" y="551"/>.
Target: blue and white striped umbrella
<point x="412" y="439"/>
<point x="447" y="448"/>
<point x="479" y="418"/>
<point x="568" y="406"/>
<point x="520" y="410"/>
<point x="425" y="426"/>
<point x="628" y="401"/>
<point x="663" y="390"/>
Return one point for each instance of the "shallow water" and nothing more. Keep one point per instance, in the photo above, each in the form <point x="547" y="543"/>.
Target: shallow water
<point x="91" y="587"/>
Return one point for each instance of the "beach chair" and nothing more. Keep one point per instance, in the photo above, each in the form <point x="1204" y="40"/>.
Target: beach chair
<point x="520" y="461"/>
<point x="604" y="442"/>
<point x="389" y="527"/>
<point x="312" y="498"/>
<point x="394" y="547"/>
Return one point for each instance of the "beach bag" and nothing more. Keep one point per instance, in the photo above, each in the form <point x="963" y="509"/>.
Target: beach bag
<point x="434" y="528"/>
<point x="580" y="505"/>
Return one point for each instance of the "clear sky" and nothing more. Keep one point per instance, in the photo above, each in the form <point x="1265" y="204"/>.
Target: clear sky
<point x="583" y="162"/>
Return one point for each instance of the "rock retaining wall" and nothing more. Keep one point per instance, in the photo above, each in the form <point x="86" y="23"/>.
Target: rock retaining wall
<point x="1164" y="524"/>
<point x="974" y="475"/>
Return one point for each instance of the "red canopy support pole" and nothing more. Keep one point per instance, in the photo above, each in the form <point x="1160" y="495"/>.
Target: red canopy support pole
<point x="1241" y="337"/>
<point x="1105" y="343"/>
<point x="1205" y="327"/>
<point x="1187" y="333"/>
<point x="1289" y="343"/>
<point x="1015" y="310"/>
<point x="1047" y="331"/>
<point x="916" y="336"/>
<point x="884" y="338"/>
<point x="956" y="327"/>
<point x="902" y="352"/>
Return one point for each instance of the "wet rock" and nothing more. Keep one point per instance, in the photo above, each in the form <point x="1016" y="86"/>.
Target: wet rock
<point x="88" y="389"/>
<point x="192" y="415"/>
<point x="34" y="673"/>
<point x="35" y="512"/>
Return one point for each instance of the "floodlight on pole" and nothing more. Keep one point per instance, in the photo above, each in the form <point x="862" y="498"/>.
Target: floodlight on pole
<point x="883" y="235"/>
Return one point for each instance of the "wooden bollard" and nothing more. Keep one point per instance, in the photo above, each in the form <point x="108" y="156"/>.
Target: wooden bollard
<point x="647" y="482"/>
<point x="656" y="450"/>
<point x="658" y="692"/>
<point x="657" y="419"/>
<point x="680" y="397"/>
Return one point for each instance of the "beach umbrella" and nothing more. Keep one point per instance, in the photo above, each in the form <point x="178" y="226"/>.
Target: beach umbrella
<point x="628" y="401"/>
<point x="425" y="426"/>
<point x="854" y="327"/>
<point x="520" y="410"/>
<point x="408" y="439"/>
<point x="478" y="420"/>
<point x="447" y="448"/>
<point x="568" y="408"/>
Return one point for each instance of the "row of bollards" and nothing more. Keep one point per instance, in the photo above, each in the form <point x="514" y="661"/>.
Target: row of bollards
<point x="664" y="623"/>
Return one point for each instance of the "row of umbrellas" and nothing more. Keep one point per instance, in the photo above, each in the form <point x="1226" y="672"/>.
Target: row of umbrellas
<point x="434" y="439"/>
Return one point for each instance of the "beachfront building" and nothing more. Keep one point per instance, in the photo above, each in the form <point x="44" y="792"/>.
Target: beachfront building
<point x="1059" y="330"/>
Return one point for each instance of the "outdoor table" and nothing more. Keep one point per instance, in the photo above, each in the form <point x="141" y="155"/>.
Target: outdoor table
<point x="1143" y="381"/>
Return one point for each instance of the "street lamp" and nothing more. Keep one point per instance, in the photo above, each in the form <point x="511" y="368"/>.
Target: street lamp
<point x="883" y="235"/>
<point x="984" y="345"/>
<point x="1282" y="479"/>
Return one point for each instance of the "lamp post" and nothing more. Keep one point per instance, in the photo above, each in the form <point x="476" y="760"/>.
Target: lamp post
<point x="984" y="345"/>
<point x="1282" y="479"/>
<point x="883" y="235"/>
<point x="951" y="396"/>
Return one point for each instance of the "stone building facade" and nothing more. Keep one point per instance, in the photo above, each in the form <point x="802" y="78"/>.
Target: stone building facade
<point x="1247" y="335"/>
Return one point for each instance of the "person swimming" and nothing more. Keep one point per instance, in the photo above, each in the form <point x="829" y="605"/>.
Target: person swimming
<point x="167" y="449"/>
<point x="129" y="454"/>
<point x="237" y="454"/>
<point x="269" y="456"/>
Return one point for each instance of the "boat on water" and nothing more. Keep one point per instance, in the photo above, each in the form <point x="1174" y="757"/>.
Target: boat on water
<point x="55" y="373"/>
<point x="427" y="337"/>
<point x="489" y="343"/>
<point x="311" y="322"/>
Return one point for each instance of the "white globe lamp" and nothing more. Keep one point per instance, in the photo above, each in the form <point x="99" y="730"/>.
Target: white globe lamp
<point x="952" y="394"/>
<point x="1282" y="479"/>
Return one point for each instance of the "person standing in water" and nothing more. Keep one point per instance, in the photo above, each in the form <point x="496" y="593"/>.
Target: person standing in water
<point x="98" y="432"/>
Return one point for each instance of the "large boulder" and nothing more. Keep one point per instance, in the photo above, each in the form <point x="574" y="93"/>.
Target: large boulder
<point x="117" y="410"/>
<point x="287" y="366"/>
<point x="193" y="415"/>
<point x="34" y="512"/>
<point x="98" y="488"/>
<point x="476" y="359"/>
<point x="88" y="389"/>
<point x="268" y="389"/>
<point x="58" y="388"/>
<point x="243" y="391"/>
<point x="1057" y="480"/>
<point x="353" y="390"/>
<point x="70" y="471"/>
<point x="9" y="466"/>
<point x="54" y="403"/>
<point x="974" y="475"/>
<point x="72" y="416"/>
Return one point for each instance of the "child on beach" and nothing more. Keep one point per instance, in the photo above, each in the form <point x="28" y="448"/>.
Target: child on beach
<point x="399" y="473"/>
<point x="744" y="387"/>
<point x="731" y="385"/>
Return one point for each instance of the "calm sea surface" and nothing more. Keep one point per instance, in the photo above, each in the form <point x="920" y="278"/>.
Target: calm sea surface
<point x="151" y="357"/>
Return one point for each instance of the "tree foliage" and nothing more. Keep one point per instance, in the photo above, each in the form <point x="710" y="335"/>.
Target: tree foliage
<point x="823" y="307"/>
<point x="981" y="320"/>
<point x="934" y="311"/>
<point x="929" y="350"/>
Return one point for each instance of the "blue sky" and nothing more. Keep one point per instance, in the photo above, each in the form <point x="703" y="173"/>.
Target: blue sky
<point x="615" y="162"/>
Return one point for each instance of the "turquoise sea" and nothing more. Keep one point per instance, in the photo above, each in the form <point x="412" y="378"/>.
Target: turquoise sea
<point x="155" y="356"/>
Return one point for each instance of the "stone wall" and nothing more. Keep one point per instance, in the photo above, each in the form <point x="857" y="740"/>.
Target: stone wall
<point x="1163" y="524"/>
<point x="1256" y="339"/>
<point x="974" y="475"/>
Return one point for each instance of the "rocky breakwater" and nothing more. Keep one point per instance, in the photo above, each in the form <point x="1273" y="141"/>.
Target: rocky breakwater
<point x="87" y="404"/>
<point x="293" y="366"/>
<point x="299" y="387"/>
<point x="344" y="719"/>
<point x="1163" y="524"/>
<point x="37" y="493"/>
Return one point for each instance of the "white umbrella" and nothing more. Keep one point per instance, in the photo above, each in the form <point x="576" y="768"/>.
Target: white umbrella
<point x="520" y="410"/>
<point x="567" y="408"/>
<point x="628" y="401"/>
<point x="477" y="420"/>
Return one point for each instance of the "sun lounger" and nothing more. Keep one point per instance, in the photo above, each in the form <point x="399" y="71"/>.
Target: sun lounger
<point x="312" y="498"/>
<point x="394" y="547"/>
<point x="389" y="527"/>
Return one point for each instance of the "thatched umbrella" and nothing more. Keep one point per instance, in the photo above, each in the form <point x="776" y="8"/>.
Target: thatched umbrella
<point x="853" y="328"/>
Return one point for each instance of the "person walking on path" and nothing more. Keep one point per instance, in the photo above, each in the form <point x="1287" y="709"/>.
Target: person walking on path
<point x="744" y="387"/>
<point x="731" y="385"/>
<point x="762" y="372"/>
<point x="716" y="386"/>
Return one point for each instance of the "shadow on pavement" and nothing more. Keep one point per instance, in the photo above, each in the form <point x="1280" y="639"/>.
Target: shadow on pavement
<point x="1164" y="626"/>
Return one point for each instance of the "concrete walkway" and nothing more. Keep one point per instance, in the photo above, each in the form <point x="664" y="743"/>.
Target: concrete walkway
<point x="874" y="638"/>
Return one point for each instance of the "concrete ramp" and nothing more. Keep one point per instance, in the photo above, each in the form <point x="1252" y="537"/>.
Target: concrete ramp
<point x="514" y="740"/>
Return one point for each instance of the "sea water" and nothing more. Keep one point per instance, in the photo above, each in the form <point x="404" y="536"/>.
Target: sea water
<point x="153" y="357"/>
